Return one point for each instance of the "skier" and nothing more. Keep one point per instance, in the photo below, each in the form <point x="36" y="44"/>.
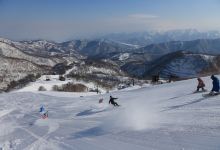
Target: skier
<point x="215" y="82"/>
<point x="201" y="85"/>
<point x="111" y="101"/>
<point x="43" y="112"/>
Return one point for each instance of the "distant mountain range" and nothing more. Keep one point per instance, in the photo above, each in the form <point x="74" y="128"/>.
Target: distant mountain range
<point x="154" y="37"/>
<point x="97" y="48"/>
<point x="205" y="46"/>
<point x="183" y="64"/>
<point x="173" y="58"/>
<point x="144" y="62"/>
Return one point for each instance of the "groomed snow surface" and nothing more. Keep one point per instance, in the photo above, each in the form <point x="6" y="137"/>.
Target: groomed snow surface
<point x="160" y="117"/>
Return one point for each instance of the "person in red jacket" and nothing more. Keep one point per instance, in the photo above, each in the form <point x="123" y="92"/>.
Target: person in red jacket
<point x="201" y="84"/>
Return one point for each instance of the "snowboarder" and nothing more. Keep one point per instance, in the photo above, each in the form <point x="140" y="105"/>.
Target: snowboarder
<point x="111" y="101"/>
<point x="215" y="82"/>
<point x="201" y="85"/>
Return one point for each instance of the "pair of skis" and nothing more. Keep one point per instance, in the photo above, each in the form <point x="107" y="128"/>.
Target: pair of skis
<point x="45" y="115"/>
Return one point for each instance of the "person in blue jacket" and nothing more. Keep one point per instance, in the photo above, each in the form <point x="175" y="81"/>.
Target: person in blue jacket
<point x="43" y="112"/>
<point x="215" y="82"/>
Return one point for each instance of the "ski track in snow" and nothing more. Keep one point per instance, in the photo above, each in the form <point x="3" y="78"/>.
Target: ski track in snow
<point x="160" y="117"/>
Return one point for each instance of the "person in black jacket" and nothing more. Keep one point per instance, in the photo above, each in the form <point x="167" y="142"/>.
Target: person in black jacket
<point x="111" y="101"/>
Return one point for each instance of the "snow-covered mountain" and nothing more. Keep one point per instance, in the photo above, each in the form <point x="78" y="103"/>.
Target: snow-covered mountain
<point x="99" y="49"/>
<point x="16" y="64"/>
<point x="28" y="54"/>
<point x="180" y="64"/>
<point x="140" y="60"/>
<point x="43" y="48"/>
<point x="74" y="48"/>
<point x="137" y="62"/>
<point x="161" y="117"/>
<point x="183" y="64"/>
<point x="12" y="69"/>
<point x="18" y="50"/>
<point x="12" y="52"/>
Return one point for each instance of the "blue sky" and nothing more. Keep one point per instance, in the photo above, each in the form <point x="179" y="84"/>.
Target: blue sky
<point x="68" y="19"/>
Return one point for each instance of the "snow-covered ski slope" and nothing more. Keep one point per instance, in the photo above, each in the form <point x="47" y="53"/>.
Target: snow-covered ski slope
<point x="161" y="117"/>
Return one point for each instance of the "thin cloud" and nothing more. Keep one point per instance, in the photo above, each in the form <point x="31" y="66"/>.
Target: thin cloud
<point x="143" y="16"/>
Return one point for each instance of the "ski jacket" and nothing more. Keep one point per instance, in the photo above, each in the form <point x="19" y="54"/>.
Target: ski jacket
<point x="112" y="100"/>
<point x="42" y="109"/>
<point x="215" y="82"/>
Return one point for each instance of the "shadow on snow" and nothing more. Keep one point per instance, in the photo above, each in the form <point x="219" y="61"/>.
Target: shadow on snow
<point x="186" y="104"/>
<point x="91" y="132"/>
<point x="89" y="112"/>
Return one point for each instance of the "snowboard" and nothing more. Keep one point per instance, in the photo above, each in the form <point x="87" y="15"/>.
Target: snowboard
<point x="210" y="95"/>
